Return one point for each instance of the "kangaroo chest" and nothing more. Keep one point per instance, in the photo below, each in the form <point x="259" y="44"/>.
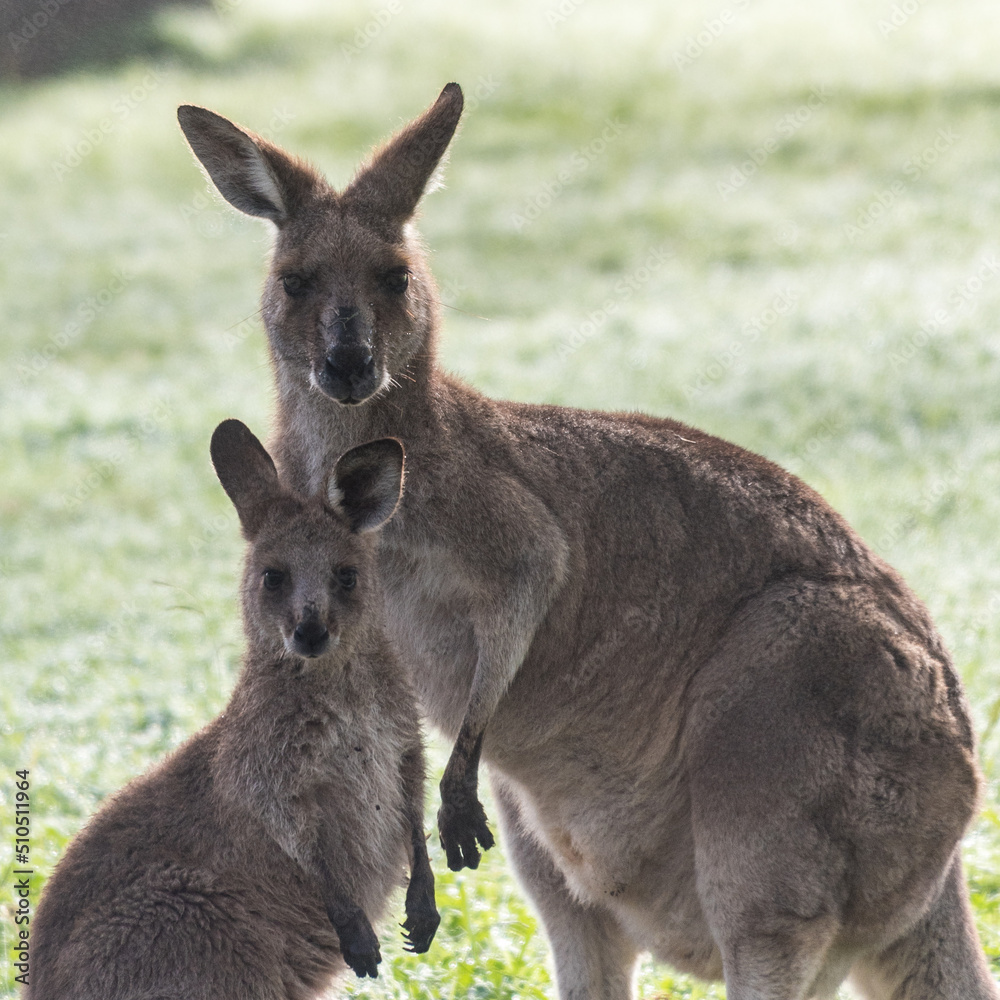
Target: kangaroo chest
<point x="429" y="618"/>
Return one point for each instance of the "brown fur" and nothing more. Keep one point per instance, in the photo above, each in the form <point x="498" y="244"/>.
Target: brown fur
<point x="249" y="864"/>
<point x="719" y="728"/>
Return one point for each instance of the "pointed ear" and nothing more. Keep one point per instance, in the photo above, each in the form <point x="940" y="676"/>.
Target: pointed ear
<point x="246" y="472"/>
<point x="395" y="178"/>
<point x="251" y="174"/>
<point x="367" y="482"/>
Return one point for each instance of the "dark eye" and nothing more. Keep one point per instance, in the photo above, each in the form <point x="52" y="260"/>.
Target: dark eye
<point x="396" y="281"/>
<point x="294" y="285"/>
<point x="347" y="577"/>
<point x="273" y="579"/>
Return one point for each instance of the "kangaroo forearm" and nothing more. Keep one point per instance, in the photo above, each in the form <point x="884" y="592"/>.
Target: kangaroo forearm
<point x="461" y="775"/>
<point x="412" y="776"/>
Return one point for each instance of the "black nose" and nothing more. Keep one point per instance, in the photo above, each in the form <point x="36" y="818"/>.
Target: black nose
<point x="349" y="373"/>
<point x="310" y="638"/>
<point x="350" y="364"/>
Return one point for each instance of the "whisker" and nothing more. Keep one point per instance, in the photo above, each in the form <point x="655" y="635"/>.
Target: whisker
<point x="465" y="312"/>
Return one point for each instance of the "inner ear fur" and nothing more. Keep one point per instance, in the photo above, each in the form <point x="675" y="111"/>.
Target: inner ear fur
<point x="251" y="173"/>
<point x="367" y="483"/>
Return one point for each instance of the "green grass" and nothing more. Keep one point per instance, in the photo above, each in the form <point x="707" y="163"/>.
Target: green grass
<point x="764" y="318"/>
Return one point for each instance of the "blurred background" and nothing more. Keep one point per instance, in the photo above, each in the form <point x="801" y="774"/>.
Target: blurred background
<point x="779" y="222"/>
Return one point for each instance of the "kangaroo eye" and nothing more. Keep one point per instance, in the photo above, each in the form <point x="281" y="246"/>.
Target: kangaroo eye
<point x="347" y="577"/>
<point x="396" y="281"/>
<point x="294" y="285"/>
<point x="273" y="579"/>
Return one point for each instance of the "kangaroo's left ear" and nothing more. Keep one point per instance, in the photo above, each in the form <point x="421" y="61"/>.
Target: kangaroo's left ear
<point x="246" y="472"/>
<point x="367" y="482"/>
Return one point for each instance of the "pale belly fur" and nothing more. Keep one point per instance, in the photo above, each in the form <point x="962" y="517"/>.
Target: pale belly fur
<point x="634" y="858"/>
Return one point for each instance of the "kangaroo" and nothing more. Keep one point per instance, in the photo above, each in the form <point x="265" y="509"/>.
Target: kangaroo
<point x="718" y="727"/>
<point x="251" y="863"/>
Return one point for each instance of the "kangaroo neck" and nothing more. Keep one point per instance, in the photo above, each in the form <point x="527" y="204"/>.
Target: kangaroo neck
<point x="315" y="430"/>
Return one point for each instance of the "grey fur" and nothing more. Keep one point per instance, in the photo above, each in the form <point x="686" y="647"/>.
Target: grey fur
<point x="251" y="863"/>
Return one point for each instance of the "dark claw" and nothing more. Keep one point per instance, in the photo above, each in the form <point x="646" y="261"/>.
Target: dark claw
<point x="462" y="824"/>
<point x="422" y="917"/>
<point x="363" y="965"/>
<point x="359" y="945"/>
<point x="419" y="929"/>
<point x="418" y="935"/>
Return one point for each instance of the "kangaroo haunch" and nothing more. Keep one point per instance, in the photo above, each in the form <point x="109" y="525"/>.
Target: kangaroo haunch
<point x="718" y="727"/>
<point x="250" y="863"/>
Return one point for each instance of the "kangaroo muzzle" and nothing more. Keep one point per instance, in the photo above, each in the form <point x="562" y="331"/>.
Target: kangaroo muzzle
<point x="310" y="638"/>
<point x="348" y="374"/>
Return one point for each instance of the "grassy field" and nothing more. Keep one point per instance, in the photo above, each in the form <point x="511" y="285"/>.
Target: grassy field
<point x="776" y="223"/>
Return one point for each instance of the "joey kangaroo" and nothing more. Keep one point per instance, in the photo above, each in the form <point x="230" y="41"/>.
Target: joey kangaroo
<point x="719" y="728"/>
<point x="250" y="864"/>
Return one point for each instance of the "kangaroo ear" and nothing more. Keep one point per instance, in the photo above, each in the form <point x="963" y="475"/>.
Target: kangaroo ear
<point x="251" y="174"/>
<point x="246" y="472"/>
<point x="391" y="184"/>
<point x="367" y="482"/>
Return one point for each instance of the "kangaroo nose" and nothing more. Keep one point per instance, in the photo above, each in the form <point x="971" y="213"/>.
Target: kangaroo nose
<point x="311" y="638"/>
<point x="350" y="366"/>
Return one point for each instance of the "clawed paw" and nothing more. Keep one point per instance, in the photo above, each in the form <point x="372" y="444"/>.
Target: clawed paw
<point x="419" y="929"/>
<point x="359" y="946"/>
<point x="463" y="829"/>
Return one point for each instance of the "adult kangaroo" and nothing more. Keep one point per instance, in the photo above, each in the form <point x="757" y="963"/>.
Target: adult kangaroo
<point x="718" y="727"/>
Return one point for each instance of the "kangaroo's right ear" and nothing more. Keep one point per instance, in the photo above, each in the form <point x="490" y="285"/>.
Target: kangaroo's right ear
<point x="251" y="174"/>
<point x="367" y="482"/>
<point x="246" y="472"/>
<point x="393" y="182"/>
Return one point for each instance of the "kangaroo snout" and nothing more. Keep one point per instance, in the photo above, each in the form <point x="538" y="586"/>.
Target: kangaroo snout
<point x="310" y="637"/>
<point x="348" y="374"/>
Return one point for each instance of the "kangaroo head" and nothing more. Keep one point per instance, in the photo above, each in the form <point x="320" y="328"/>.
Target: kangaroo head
<point x="309" y="562"/>
<point x="349" y="299"/>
